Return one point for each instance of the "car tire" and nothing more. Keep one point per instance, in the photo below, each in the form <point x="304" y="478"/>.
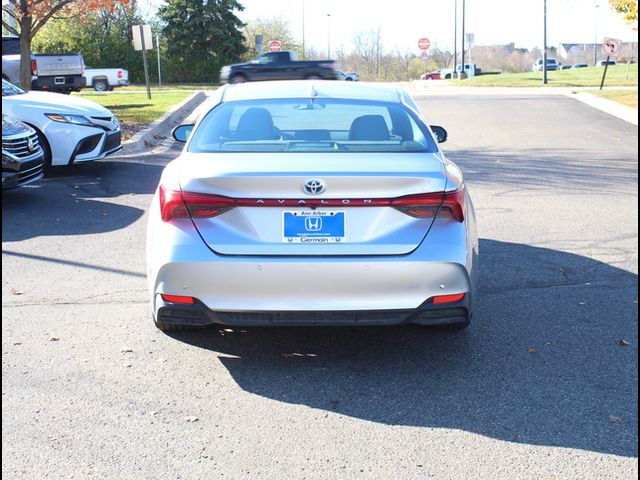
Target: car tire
<point x="46" y="150"/>
<point x="171" y="327"/>
<point x="238" y="79"/>
<point x="451" y="327"/>
<point x="100" y="85"/>
<point x="348" y="79"/>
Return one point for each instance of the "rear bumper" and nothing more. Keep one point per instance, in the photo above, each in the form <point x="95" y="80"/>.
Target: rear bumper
<point x="199" y="315"/>
<point x="61" y="83"/>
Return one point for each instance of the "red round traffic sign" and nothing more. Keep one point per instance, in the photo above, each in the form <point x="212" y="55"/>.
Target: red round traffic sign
<point x="275" y="45"/>
<point x="424" y="44"/>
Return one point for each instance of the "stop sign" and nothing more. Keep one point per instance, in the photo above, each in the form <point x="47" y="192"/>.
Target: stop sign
<point x="275" y="46"/>
<point x="424" y="44"/>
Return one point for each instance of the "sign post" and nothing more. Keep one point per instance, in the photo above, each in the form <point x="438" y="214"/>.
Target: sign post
<point x="159" y="71"/>
<point x="611" y="48"/>
<point x="142" y="40"/>
<point x="275" y="45"/>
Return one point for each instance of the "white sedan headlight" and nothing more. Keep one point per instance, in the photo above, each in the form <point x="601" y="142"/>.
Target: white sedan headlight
<point x="75" y="119"/>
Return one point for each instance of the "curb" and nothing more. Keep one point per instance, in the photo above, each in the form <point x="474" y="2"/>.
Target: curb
<point x="142" y="139"/>
<point x="623" y="112"/>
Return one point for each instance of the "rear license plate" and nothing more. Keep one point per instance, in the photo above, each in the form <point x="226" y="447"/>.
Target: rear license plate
<point x="313" y="226"/>
<point x="58" y="80"/>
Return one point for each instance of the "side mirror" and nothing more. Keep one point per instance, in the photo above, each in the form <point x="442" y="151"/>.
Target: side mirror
<point x="182" y="132"/>
<point x="440" y="133"/>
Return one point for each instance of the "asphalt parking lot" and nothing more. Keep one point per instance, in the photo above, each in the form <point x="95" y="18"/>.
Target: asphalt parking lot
<point x="542" y="385"/>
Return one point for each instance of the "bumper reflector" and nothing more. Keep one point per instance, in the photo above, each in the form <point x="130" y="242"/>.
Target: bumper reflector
<point x="177" y="299"/>
<point x="440" y="299"/>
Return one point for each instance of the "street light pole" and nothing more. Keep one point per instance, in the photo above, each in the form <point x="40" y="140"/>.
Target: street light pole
<point x="595" y="40"/>
<point x="303" y="50"/>
<point x="462" y="73"/>
<point x="544" y="52"/>
<point x="328" y="35"/>
<point x="455" y="35"/>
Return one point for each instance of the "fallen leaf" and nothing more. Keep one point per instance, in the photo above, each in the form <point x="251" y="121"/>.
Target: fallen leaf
<point x="613" y="419"/>
<point x="14" y="291"/>
<point x="533" y="350"/>
<point x="17" y="343"/>
<point x="623" y="343"/>
<point x="153" y="413"/>
<point x="128" y="365"/>
<point x="191" y="419"/>
<point x="581" y="303"/>
<point x="54" y="339"/>
<point x="73" y="194"/>
<point x="126" y="350"/>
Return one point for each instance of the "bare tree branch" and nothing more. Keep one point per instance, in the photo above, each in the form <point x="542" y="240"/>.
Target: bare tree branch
<point x="9" y="28"/>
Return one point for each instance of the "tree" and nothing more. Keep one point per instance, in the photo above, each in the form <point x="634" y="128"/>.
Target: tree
<point x="202" y="36"/>
<point x="102" y="36"/>
<point x="271" y="29"/>
<point x="31" y="15"/>
<point x="628" y="9"/>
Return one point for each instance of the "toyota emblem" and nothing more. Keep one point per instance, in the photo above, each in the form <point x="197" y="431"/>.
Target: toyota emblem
<point x="314" y="186"/>
<point x="30" y="145"/>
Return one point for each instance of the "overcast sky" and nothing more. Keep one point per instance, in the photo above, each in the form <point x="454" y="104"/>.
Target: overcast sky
<point x="403" y="22"/>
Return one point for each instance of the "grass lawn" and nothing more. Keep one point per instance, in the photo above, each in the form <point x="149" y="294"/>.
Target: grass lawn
<point x="134" y="110"/>
<point x="171" y="86"/>
<point x="626" y="97"/>
<point x="580" y="77"/>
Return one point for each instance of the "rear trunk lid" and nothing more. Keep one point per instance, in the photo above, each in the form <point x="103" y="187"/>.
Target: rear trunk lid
<point x="275" y="215"/>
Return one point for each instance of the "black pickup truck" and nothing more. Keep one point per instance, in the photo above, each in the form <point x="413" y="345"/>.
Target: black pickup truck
<point x="278" y="66"/>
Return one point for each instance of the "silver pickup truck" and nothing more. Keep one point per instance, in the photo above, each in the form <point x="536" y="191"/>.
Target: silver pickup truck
<point x="52" y="72"/>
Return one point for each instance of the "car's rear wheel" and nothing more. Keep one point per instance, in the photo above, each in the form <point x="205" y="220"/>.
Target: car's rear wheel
<point x="100" y="85"/>
<point x="238" y="79"/>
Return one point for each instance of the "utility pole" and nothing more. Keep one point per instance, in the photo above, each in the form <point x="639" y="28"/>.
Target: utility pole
<point x="544" y="51"/>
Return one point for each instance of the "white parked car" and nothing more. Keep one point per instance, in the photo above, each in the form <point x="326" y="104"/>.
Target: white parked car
<point x="70" y="129"/>
<point x="103" y="79"/>
<point x="552" y="64"/>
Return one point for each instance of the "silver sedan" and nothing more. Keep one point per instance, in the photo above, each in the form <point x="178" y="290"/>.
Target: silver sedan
<point x="311" y="203"/>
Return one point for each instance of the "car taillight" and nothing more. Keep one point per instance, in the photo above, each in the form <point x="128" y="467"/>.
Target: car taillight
<point x="34" y="67"/>
<point x="445" y="205"/>
<point x="175" y="204"/>
<point x="120" y="74"/>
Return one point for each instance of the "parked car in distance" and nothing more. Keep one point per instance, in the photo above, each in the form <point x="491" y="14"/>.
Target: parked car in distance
<point x="331" y="205"/>
<point x="564" y="67"/>
<point x="22" y="157"/>
<point x="104" y="79"/>
<point x="435" y="75"/>
<point x="602" y="63"/>
<point x="278" y="66"/>
<point x="579" y="65"/>
<point x="552" y="64"/>
<point x="50" y="72"/>
<point x="70" y="129"/>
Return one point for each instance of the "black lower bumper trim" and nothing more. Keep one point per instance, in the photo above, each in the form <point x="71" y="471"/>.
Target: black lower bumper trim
<point x="427" y="314"/>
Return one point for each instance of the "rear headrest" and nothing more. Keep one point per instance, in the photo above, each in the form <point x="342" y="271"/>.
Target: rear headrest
<point x="369" y="127"/>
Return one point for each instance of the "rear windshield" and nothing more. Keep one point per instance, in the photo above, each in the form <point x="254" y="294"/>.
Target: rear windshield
<point x="311" y="125"/>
